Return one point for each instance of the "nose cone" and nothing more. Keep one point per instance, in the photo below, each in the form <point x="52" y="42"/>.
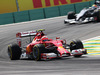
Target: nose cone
<point x="63" y="51"/>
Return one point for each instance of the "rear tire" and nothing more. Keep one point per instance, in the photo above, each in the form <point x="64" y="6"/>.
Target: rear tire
<point x="37" y="50"/>
<point x="71" y="15"/>
<point x="14" y="52"/>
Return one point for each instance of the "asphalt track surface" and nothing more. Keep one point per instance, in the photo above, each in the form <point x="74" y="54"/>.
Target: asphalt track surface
<point x="86" y="65"/>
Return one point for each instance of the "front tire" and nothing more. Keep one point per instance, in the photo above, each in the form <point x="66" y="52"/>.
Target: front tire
<point x="37" y="50"/>
<point x="71" y="15"/>
<point x="97" y="15"/>
<point x="76" y="44"/>
<point x="76" y="56"/>
<point x="14" y="52"/>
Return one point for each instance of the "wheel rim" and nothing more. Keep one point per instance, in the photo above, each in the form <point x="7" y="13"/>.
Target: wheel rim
<point x="72" y="43"/>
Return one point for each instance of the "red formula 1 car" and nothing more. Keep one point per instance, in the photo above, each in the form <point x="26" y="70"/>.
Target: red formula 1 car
<point x="42" y="48"/>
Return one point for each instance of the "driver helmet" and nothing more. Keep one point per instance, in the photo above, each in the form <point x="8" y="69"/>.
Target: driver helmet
<point x="94" y="6"/>
<point x="44" y="38"/>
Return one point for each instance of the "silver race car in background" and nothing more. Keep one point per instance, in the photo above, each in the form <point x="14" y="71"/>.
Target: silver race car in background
<point x="91" y="14"/>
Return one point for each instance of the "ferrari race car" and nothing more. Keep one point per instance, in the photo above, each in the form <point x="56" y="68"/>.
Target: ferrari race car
<point x="40" y="47"/>
<point x="91" y="14"/>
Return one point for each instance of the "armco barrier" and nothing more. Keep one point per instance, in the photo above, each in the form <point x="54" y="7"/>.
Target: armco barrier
<point x="42" y="13"/>
<point x="51" y="12"/>
<point x="21" y="16"/>
<point x="6" y="18"/>
<point x="64" y="9"/>
<point x="36" y="14"/>
<point x="80" y="6"/>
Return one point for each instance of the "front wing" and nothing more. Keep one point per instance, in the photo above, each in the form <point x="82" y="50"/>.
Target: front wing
<point x="73" y="21"/>
<point x="79" y="52"/>
<point x="46" y="56"/>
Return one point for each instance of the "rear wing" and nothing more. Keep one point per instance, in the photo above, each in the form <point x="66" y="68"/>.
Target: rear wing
<point x="20" y="35"/>
<point x="25" y="34"/>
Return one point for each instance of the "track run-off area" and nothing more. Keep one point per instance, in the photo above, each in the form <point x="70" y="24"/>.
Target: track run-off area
<point x="93" y="46"/>
<point x="54" y="27"/>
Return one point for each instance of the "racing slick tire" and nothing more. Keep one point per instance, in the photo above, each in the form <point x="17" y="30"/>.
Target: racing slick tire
<point x="97" y="15"/>
<point x="71" y="15"/>
<point x="14" y="52"/>
<point x="76" y="56"/>
<point x="37" y="50"/>
<point x="76" y="44"/>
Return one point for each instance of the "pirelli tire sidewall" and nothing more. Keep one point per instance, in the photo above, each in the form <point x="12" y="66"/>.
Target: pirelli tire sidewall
<point x="14" y="52"/>
<point x="37" y="50"/>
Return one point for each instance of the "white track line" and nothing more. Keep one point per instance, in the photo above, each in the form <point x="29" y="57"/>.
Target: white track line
<point x="91" y="38"/>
